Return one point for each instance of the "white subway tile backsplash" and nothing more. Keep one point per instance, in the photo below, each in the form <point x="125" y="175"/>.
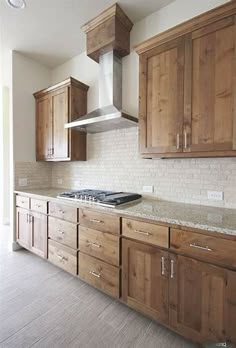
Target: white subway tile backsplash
<point x="114" y="164"/>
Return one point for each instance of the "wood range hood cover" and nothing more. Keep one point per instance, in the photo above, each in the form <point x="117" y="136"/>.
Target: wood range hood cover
<point x="108" y="40"/>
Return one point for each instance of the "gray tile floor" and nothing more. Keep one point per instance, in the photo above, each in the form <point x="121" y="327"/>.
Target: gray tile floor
<point x="44" y="307"/>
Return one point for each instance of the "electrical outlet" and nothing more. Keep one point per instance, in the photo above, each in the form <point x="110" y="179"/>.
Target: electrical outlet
<point x="215" y="195"/>
<point x="23" y="182"/>
<point x="59" y="181"/>
<point x="148" y="189"/>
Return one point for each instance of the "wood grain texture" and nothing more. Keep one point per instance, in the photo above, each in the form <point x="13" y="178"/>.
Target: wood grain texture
<point x="212" y="118"/>
<point x="145" y="279"/>
<point x="198" y="299"/>
<point x="39" y="205"/>
<point x="103" y="246"/>
<point x="23" y="228"/>
<point x="218" y="251"/>
<point x="146" y="232"/>
<point x="63" y="257"/>
<point x="39" y="234"/>
<point x="63" y="212"/>
<point x="55" y="106"/>
<point x="110" y="30"/>
<point x="162" y="110"/>
<point x="63" y="232"/>
<point x="99" y="274"/>
<point x="22" y="202"/>
<point x="99" y="221"/>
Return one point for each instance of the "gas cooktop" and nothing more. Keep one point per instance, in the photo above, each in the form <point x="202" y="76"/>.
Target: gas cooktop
<point x="105" y="198"/>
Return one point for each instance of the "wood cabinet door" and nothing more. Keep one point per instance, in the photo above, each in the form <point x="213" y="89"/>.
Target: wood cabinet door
<point x="210" y="75"/>
<point x="145" y="279"/>
<point x="23" y="234"/>
<point x="60" y="115"/>
<point x="38" y="238"/>
<point x="43" y="128"/>
<point x="198" y="297"/>
<point x="162" y="98"/>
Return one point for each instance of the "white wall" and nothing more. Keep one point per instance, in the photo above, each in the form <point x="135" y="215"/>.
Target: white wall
<point x="28" y="77"/>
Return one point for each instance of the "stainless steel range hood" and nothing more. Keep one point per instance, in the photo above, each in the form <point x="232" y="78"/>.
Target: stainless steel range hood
<point x="109" y="115"/>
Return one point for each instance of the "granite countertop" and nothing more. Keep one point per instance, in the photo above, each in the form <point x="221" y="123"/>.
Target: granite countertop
<point x="206" y="218"/>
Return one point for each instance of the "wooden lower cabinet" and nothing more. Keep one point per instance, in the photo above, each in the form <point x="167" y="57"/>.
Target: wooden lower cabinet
<point x="63" y="257"/>
<point x="23" y="228"/>
<point x="145" y="279"/>
<point x="39" y="236"/>
<point x="31" y="231"/>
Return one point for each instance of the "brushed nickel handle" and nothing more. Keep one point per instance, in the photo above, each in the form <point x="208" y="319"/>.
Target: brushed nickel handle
<point x="27" y="218"/>
<point x="185" y="140"/>
<point x="95" y="244"/>
<point x="163" y="266"/>
<point x="52" y="151"/>
<point x="172" y="271"/>
<point x="97" y="221"/>
<point x="22" y="202"/>
<point x="177" y="141"/>
<point x="194" y="245"/>
<point x="142" y="232"/>
<point x="61" y="211"/>
<point x="30" y="219"/>
<point x="38" y="206"/>
<point x="61" y="232"/>
<point x="95" y="274"/>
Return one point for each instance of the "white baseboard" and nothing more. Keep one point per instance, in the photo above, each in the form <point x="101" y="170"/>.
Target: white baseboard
<point x="16" y="246"/>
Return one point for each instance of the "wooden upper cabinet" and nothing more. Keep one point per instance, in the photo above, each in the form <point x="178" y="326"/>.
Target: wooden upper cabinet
<point x="161" y="98"/>
<point x="188" y="88"/>
<point x="210" y="116"/>
<point x="145" y="279"/>
<point x="55" y="106"/>
<point x="44" y="128"/>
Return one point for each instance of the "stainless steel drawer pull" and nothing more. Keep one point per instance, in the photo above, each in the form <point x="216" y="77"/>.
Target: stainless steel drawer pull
<point x="172" y="271"/>
<point x="61" y="211"/>
<point x="22" y="202"/>
<point x="61" y="232"/>
<point x="194" y="245"/>
<point x="95" y="244"/>
<point x="95" y="274"/>
<point x="97" y="221"/>
<point x="142" y="232"/>
<point x="38" y="206"/>
<point x="185" y="140"/>
<point x="162" y="265"/>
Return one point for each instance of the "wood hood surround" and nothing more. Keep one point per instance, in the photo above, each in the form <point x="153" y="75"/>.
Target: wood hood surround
<point x="187" y="91"/>
<point x="108" y="31"/>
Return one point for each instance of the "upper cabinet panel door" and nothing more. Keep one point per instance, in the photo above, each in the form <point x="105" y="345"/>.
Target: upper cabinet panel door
<point x="43" y="128"/>
<point x="210" y="72"/>
<point x="161" y="98"/>
<point x="60" y="109"/>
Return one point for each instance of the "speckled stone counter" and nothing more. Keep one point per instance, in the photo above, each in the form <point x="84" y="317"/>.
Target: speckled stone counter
<point x="193" y="216"/>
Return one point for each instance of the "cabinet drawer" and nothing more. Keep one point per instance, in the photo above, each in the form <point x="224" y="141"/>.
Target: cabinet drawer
<point x="146" y="232"/>
<point x="63" y="232"/>
<point x="99" y="221"/>
<point x="63" y="212"/>
<point x="62" y="256"/>
<point x="39" y="206"/>
<point x="208" y="248"/>
<point x="23" y="202"/>
<point x="99" y="274"/>
<point x="104" y="246"/>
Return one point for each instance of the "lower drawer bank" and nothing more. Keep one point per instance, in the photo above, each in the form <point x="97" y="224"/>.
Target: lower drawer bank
<point x="160" y="270"/>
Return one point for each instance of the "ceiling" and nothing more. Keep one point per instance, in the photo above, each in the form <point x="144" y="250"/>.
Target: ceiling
<point x="49" y="30"/>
